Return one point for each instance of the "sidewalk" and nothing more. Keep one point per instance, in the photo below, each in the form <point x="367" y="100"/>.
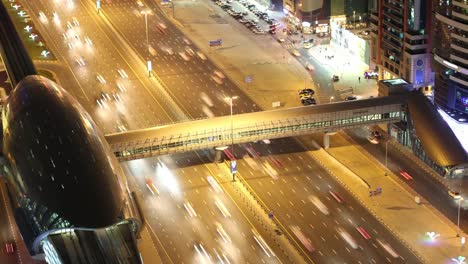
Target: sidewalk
<point x="276" y="75"/>
<point x="395" y="207"/>
<point x="347" y="67"/>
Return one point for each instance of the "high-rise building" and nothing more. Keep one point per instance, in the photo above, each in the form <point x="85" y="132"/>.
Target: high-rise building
<point x="450" y="54"/>
<point x="400" y="41"/>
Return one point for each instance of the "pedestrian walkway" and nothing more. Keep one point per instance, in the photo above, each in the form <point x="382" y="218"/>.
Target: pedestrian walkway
<point x="348" y="68"/>
<point x="395" y="207"/>
<point x="148" y="250"/>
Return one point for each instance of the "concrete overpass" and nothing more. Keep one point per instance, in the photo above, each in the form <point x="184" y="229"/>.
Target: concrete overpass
<point x="242" y="128"/>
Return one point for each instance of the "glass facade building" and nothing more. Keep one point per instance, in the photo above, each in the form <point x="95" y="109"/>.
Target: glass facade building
<point x="450" y="54"/>
<point x="400" y="40"/>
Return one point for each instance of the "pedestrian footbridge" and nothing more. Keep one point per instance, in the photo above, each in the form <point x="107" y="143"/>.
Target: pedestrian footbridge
<point x="242" y="128"/>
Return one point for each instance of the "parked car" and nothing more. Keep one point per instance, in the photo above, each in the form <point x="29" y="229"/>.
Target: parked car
<point x="455" y="195"/>
<point x="308" y="101"/>
<point x="335" y="78"/>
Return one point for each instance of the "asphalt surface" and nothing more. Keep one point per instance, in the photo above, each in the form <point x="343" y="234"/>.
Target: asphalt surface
<point x="103" y="58"/>
<point x="299" y="177"/>
<point x="425" y="185"/>
<point x="191" y="81"/>
<point x="190" y="84"/>
<point x="185" y="181"/>
<point x="140" y="103"/>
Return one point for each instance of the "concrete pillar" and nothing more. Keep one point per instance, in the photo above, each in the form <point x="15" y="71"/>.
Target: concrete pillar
<point x="326" y="140"/>
<point x="217" y="156"/>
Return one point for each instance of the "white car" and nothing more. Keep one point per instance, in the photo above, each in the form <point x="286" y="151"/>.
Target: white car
<point x="222" y="208"/>
<point x="121" y="87"/>
<point x="169" y="51"/>
<point x="281" y="40"/>
<point x="88" y="41"/>
<point x="307" y="45"/>
<point x="201" y="55"/>
<point x="80" y="60"/>
<point x="373" y="140"/>
<point x="219" y="74"/>
<point x="454" y="195"/>
<point x="122" y="74"/>
<point x="75" y="22"/>
<point x="101" y="79"/>
<point x="190" y="51"/>
<point x="184" y="56"/>
<point x="42" y="15"/>
<point x="296" y="53"/>
<point x="190" y="209"/>
<point x="319" y="204"/>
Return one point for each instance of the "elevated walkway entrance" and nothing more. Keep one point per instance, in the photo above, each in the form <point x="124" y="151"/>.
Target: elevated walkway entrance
<point x="242" y="128"/>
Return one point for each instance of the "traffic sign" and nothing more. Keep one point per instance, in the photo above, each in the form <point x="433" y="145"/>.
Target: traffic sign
<point x="233" y="166"/>
<point x="217" y="42"/>
<point x="270" y="215"/>
<point x="376" y="192"/>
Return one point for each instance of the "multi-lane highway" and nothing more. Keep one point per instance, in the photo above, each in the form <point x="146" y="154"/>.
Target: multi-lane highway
<point x="190" y="78"/>
<point x="188" y="208"/>
<point x="298" y="190"/>
<point x="80" y="42"/>
<point x="115" y="40"/>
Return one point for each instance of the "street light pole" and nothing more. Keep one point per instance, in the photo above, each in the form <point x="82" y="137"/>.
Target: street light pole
<point x="386" y="156"/>
<point x="231" y="99"/>
<point x="146" y="28"/>
<point x="354" y="19"/>
<point x="458" y="218"/>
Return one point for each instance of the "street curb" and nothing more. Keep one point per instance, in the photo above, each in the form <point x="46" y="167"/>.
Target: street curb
<point x="370" y="210"/>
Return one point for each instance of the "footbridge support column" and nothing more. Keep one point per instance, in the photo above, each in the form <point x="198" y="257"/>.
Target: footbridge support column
<point x="218" y="155"/>
<point x="326" y="139"/>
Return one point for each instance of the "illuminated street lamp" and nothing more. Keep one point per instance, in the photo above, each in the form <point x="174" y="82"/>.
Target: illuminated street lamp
<point x="458" y="218"/>
<point x="231" y="99"/>
<point x="459" y="260"/>
<point x="354" y="19"/>
<point x="331" y="98"/>
<point x="432" y="235"/>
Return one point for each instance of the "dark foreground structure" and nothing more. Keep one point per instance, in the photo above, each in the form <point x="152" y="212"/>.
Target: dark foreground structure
<point x="67" y="189"/>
